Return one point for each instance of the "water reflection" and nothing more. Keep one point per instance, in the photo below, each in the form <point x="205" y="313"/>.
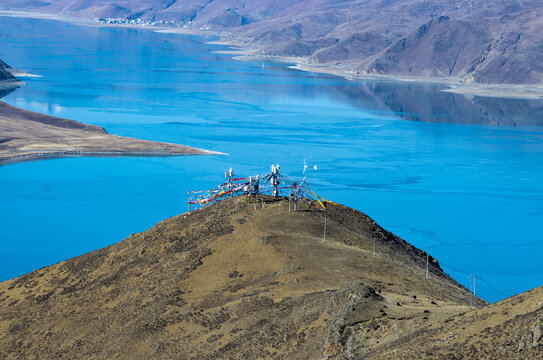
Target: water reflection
<point x="4" y="91"/>
<point x="413" y="102"/>
<point x="427" y="102"/>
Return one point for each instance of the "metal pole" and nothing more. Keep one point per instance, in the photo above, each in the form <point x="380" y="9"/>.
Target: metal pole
<point x="289" y="196"/>
<point x="426" y="266"/>
<point x="188" y="200"/>
<point x="324" y="239"/>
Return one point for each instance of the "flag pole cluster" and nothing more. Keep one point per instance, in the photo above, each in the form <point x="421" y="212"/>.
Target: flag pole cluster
<point x="272" y="184"/>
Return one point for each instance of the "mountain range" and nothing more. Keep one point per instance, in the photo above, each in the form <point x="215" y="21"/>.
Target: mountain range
<point x="471" y="41"/>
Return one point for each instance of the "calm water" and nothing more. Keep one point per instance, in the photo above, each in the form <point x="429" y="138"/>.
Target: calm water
<point x="458" y="177"/>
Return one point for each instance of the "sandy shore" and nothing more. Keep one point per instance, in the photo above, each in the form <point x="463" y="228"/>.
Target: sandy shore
<point x="534" y="92"/>
<point x="87" y="22"/>
<point x="27" y="135"/>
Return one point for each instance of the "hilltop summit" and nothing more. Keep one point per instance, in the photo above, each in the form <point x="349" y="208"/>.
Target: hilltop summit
<point x="243" y="278"/>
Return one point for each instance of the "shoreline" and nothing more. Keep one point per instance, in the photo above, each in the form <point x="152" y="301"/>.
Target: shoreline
<point x="454" y="85"/>
<point x="89" y="143"/>
<point x="240" y="52"/>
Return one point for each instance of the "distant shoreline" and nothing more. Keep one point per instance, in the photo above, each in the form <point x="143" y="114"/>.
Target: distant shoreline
<point x="241" y="52"/>
<point x="509" y="91"/>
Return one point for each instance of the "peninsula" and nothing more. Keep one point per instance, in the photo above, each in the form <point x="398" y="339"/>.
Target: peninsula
<point x="251" y="278"/>
<point x="27" y="135"/>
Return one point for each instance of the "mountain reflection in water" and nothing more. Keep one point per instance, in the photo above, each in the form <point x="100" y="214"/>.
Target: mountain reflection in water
<point x="427" y="102"/>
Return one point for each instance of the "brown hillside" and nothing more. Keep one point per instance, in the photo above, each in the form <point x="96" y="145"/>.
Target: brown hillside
<point x="233" y="280"/>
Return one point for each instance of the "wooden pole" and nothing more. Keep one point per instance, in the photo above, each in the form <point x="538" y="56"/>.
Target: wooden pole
<point x="324" y="239"/>
<point x="471" y="290"/>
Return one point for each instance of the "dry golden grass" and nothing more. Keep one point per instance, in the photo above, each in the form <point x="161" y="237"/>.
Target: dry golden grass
<point x="240" y="280"/>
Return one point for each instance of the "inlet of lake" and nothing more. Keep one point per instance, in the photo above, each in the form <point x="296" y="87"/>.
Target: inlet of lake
<point x="459" y="177"/>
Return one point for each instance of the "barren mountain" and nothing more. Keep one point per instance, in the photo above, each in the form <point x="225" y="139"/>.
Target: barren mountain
<point x="248" y="278"/>
<point x="243" y="279"/>
<point x="482" y="41"/>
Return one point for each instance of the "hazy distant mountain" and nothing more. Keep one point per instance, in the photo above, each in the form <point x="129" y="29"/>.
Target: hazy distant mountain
<point x="485" y="41"/>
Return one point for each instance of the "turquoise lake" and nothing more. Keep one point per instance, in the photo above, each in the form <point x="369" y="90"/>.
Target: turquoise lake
<point x="458" y="177"/>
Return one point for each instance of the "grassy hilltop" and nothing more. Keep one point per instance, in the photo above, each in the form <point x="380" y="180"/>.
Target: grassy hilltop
<point x="253" y="280"/>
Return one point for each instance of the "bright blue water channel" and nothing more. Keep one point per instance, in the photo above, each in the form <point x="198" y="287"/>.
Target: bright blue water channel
<point x="432" y="167"/>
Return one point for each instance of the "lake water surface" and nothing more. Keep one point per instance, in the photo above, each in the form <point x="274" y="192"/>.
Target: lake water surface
<point x="458" y="177"/>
